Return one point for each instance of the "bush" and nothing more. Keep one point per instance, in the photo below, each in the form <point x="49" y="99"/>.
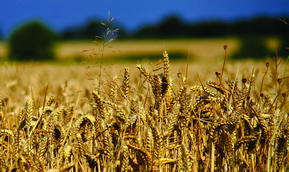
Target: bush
<point x="252" y="47"/>
<point x="283" y="50"/>
<point x="33" y="41"/>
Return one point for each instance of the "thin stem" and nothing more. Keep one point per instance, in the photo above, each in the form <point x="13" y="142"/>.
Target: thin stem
<point x="267" y="65"/>
<point x="284" y="72"/>
<point x="278" y="97"/>
<point x="282" y="83"/>
<point x="212" y="157"/>
<point x="100" y="68"/>
<point x="225" y="47"/>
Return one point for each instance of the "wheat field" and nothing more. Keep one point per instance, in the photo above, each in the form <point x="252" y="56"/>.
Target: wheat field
<point x="150" y="116"/>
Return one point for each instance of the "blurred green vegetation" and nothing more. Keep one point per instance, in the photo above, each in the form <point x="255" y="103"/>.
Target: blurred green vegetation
<point x="252" y="33"/>
<point x="174" y="27"/>
<point x="284" y="48"/>
<point x="88" y="31"/>
<point x="32" y="41"/>
<point x="252" y="47"/>
<point x="1" y="36"/>
<point x="35" y="41"/>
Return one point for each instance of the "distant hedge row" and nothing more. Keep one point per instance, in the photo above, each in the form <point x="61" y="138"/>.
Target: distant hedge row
<point x="173" y="27"/>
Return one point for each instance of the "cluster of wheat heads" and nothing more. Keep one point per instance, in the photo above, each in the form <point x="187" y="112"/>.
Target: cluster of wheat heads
<point x="168" y="126"/>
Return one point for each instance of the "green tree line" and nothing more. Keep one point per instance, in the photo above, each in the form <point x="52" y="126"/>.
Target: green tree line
<point x="252" y="33"/>
<point x="174" y="27"/>
<point x="35" y="41"/>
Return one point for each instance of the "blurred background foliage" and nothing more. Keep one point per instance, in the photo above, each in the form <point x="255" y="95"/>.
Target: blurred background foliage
<point x="1" y="36"/>
<point x="174" y="27"/>
<point x="34" y="40"/>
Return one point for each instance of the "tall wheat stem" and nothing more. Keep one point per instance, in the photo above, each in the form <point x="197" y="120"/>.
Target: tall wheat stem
<point x="100" y="68"/>
<point x="225" y="48"/>
<point x="212" y="157"/>
<point x="282" y="83"/>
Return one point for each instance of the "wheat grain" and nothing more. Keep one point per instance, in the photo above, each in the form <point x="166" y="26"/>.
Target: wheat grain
<point x="125" y="84"/>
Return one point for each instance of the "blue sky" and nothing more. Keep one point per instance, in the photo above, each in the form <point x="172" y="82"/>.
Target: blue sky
<point x="132" y="14"/>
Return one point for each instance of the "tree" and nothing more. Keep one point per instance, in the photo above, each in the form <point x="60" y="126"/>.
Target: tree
<point x="32" y="41"/>
<point x="171" y="27"/>
<point x="88" y="31"/>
